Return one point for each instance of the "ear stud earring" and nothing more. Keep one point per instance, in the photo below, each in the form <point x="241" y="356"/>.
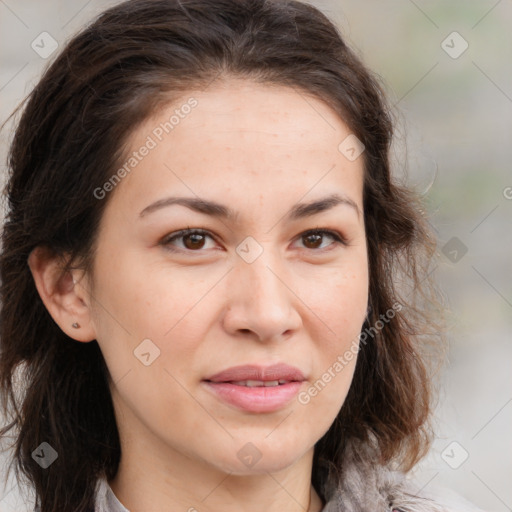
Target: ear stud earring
<point x="75" y="325"/>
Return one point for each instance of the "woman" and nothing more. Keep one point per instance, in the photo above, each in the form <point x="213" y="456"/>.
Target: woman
<point x="212" y="291"/>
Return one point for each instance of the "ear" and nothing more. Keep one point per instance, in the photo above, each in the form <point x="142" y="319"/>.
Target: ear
<point x="67" y="301"/>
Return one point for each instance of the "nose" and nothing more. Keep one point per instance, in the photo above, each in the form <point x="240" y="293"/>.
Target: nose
<point x="261" y="301"/>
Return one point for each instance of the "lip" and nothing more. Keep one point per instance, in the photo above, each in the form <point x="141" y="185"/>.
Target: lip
<point x="256" y="399"/>
<point x="278" y="371"/>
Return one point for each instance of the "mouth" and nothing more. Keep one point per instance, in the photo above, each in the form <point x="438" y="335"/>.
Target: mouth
<point x="256" y="389"/>
<point x="277" y="373"/>
<point x="260" y="383"/>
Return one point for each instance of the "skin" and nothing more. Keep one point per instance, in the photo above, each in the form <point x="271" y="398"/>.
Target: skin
<point x="258" y="149"/>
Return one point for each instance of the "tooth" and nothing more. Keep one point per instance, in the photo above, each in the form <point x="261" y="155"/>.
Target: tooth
<point x="259" y="383"/>
<point x="254" y="383"/>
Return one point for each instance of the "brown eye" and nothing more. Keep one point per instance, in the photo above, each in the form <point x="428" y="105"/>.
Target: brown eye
<point x="313" y="239"/>
<point x="191" y="240"/>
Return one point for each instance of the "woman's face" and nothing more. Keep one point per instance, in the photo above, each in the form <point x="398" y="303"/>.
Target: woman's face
<point x="189" y="324"/>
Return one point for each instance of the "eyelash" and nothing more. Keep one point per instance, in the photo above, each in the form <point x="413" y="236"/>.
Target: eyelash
<point x="166" y="241"/>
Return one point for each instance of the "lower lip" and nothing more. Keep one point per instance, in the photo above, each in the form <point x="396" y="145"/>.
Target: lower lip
<point x="256" y="399"/>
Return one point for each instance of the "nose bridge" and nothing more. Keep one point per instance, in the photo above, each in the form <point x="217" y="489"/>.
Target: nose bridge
<point x="266" y="283"/>
<point x="260" y="300"/>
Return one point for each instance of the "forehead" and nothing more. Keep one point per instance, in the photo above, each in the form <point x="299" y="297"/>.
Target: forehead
<point x="258" y="139"/>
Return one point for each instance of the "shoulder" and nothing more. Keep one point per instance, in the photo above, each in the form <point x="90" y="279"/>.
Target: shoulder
<point x="390" y="491"/>
<point x="439" y="498"/>
<point x="362" y="485"/>
<point x="106" y="500"/>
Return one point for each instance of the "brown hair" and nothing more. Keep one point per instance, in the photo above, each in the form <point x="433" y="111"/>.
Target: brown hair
<point x="110" y="77"/>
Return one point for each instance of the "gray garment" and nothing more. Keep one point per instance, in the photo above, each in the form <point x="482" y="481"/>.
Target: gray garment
<point x="397" y="497"/>
<point x="106" y="500"/>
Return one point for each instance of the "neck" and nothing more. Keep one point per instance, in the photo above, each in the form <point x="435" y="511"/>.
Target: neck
<point x="160" y="478"/>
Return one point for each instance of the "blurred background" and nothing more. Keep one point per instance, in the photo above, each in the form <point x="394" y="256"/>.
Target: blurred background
<point x="447" y="68"/>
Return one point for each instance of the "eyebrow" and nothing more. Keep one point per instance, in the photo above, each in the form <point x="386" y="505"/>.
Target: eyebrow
<point x="214" y="209"/>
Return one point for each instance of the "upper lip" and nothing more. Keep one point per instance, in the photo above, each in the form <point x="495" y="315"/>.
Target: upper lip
<point x="263" y="373"/>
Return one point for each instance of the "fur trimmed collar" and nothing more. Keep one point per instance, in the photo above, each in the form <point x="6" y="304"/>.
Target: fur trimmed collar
<point x="367" y="487"/>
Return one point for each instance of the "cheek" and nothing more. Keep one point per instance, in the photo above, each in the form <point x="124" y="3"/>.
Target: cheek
<point x="150" y="299"/>
<point x="340" y="304"/>
<point x="349" y="303"/>
<point x="340" y="313"/>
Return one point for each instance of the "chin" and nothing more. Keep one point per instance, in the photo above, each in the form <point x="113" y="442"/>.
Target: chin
<point x="275" y="465"/>
<point x="261" y="457"/>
